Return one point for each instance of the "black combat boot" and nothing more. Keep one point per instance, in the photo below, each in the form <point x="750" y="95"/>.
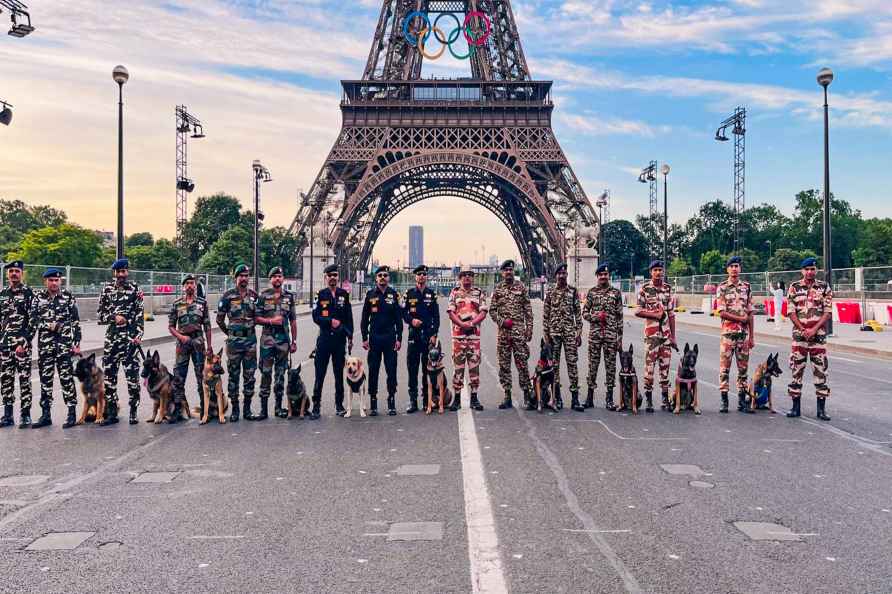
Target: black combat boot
<point x="664" y="402"/>
<point x="650" y="402"/>
<point x="794" y="412"/>
<point x="574" y="401"/>
<point x="456" y="402"/>
<point x="7" y="420"/>
<point x="475" y="403"/>
<point x="264" y="409"/>
<point x="46" y="418"/>
<point x="506" y="403"/>
<point x="373" y="405"/>
<point x="174" y="416"/>
<point x="71" y="421"/>
<point x="111" y="414"/>
<point x="558" y="401"/>
<point x="413" y="403"/>
<point x="822" y="414"/>
<point x="278" y="411"/>
<point x="590" y="398"/>
<point x="724" y="408"/>
<point x="528" y="401"/>
<point x="391" y="405"/>
<point x="234" y="410"/>
<point x="316" y="411"/>
<point x="25" y="418"/>
<point x="609" y="400"/>
<point x="246" y="410"/>
<point x="744" y="404"/>
<point x="133" y="419"/>
<point x="339" y="405"/>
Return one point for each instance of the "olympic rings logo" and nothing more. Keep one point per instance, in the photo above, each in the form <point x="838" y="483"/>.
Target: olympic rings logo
<point x="420" y="38"/>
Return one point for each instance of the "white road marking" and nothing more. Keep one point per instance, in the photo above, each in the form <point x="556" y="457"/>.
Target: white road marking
<point x="796" y="533"/>
<point x="598" y="531"/>
<point x="217" y="537"/>
<point x="483" y="542"/>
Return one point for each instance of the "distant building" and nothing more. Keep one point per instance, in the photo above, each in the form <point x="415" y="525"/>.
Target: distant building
<point x="416" y="245"/>
<point x="108" y="238"/>
<point x="493" y="260"/>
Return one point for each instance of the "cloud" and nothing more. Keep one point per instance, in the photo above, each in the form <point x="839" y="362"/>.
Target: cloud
<point x="591" y="124"/>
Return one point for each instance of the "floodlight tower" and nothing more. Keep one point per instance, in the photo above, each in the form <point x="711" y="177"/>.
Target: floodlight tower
<point x="648" y="175"/>
<point x="737" y="123"/>
<point x="186" y="123"/>
<point x="21" y="20"/>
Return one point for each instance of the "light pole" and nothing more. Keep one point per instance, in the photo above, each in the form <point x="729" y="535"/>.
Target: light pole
<point x="120" y="76"/>
<point x="261" y="174"/>
<point x="665" y="171"/>
<point x="825" y="77"/>
<point x="768" y="243"/>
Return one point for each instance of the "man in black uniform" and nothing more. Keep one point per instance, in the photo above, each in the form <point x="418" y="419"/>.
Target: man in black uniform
<point x="334" y="316"/>
<point x="422" y="315"/>
<point x="382" y="331"/>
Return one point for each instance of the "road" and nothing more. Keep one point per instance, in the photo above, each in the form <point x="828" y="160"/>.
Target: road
<point x="512" y="501"/>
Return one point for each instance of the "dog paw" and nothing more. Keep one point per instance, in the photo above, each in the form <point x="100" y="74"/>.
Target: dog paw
<point x="202" y="422"/>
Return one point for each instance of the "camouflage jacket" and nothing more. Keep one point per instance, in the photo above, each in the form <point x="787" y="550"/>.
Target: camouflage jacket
<point x="268" y="306"/>
<point x="512" y="302"/>
<point x="56" y="317"/>
<point x="192" y="319"/>
<point x="735" y="298"/>
<point x="15" y="314"/>
<point x="609" y="302"/>
<point x="467" y="305"/>
<point x="240" y="310"/>
<point x="810" y="302"/>
<point x="649" y="297"/>
<point x="561" y="314"/>
<point x="125" y="300"/>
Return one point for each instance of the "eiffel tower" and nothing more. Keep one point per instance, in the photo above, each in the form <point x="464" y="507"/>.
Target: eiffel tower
<point x="487" y="139"/>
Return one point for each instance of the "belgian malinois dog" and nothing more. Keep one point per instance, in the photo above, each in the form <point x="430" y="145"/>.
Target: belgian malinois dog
<point x="685" y="395"/>
<point x="760" y="388"/>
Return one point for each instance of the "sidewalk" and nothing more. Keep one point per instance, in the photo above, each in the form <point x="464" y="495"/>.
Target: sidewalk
<point x="847" y="337"/>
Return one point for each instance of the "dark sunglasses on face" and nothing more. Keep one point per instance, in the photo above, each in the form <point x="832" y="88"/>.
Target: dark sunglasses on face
<point x="383" y="275"/>
<point x="420" y="274"/>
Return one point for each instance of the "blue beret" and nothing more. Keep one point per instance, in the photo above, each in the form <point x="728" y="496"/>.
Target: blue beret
<point x="276" y="270"/>
<point x="605" y="267"/>
<point x="52" y="273"/>
<point x="419" y="269"/>
<point x="241" y="268"/>
<point x="120" y="264"/>
<point x="330" y="268"/>
<point x="656" y="264"/>
<point x="733" y="260"/>
<point x="382" y="268"/>
<point x="562" y="267"/>
<point x="507" y="264"/>
<point x="15" y="264"/>
<point x="809" y="262"/>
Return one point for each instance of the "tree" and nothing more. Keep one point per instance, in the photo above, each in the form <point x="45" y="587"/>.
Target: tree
<point x="234" y="245"/>
<point x="712" y="262"/>
<point x="24" y="218"/>
<point x="60" y="246"/>
<point x="142" y="238"/>
<point x="787" y="259"/>
<point x="875" y="244"/>
<point x="213" y="215"/>
<point x="807" y="226"/>
<point x="679" y="267"/>
<point x="624" y="247"/>
<point x="166" y="256"/>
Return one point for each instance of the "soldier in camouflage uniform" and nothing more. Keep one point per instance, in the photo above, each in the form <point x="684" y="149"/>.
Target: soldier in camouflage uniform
<point x="16" y="335"/>
<point x="513" y="314"/>
<point x="604" y="312"/>
<point x="467" y="309"/>
<point x="734" y="302"/>
<point x="121" y="309"/>
<point x="58" y="338"/>
<point x="656" y="304"/>
<point x="811" y="302"/>
<point x="190" y="323"/>
<point x="562" y="327"/>
<point x="275" y="312"/>
<point x="241" y="340"/>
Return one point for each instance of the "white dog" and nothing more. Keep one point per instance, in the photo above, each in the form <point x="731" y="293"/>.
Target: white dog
<point x="356" y="384"/>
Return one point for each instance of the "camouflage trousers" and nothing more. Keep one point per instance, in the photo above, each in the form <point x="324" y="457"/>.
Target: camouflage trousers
<point x="12" y="366"/>
<point x="240" y="363"/>
<point x="193" y="351"/>
<point x="568" y="344"/>
<point x="118" y="351"/>
<point x="656" y="353"/>
<point x="52" y="356"/>
<point x="273" y="360"/>
<point x="466" y="355"/>
<point x="737" y="348"/>
<point x="598" y="344"/>
<point x="511" y="344"/>
<point x="800" y="353"/>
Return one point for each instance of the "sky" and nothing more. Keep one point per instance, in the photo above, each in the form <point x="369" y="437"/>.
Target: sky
<point x="633" y="82"/>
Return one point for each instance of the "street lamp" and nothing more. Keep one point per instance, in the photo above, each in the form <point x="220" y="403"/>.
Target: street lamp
<point x="6" y="113"/>
<point x="825" y="77"/>
<point x="120" y="76"/>
<point x="261" y="175"/>
<point x="601" y="202"/>
<point x="665" y="171"/>
<point x="768" y="243"/>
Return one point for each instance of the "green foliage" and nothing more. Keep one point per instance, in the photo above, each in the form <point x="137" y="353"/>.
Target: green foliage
<point x="625" y="248"/>
<point x="23" y="218"/>
<point x="59" y="246"/>
<point x="712" y="262"/>
<point x="875" y="245"/>
<point x="143" y="238"/>
<point x="679" y="267"/>
<point x="787" y="259"/>
<point x="234" y="246"/>
<point x="213" y="215"/>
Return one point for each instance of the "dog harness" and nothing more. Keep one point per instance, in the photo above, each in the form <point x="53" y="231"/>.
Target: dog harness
<point x="354" y="386"/>
<point x="690" y="383"/>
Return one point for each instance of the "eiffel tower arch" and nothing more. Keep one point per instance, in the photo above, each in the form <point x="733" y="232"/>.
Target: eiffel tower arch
<point x="487" y="139"/>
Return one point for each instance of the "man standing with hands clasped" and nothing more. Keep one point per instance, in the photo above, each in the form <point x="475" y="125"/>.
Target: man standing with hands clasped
<point x="562" y="327"/>
<point x="382" y="332"/>
<point x="734" y="302"/>
<point x="513" y="314"/>
<point x="656" y="305"/>
<point x="334" y="316"/>
<point x="422" y="315"/>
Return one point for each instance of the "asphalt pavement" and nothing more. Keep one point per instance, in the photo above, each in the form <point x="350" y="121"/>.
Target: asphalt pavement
<point x="492" y="501"/>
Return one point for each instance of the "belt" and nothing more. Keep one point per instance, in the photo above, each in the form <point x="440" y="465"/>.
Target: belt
<point x="242" y="333"/>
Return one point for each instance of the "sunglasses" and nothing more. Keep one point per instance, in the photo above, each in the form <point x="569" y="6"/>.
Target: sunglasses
<point x="420" y="274"/>
<point x="332" y="275"/>
<point x="382" y="275"/>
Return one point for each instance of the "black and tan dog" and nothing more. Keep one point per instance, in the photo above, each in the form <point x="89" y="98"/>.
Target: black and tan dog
<point x="760" y="387"/>
<point x="543" y="378"/>
<point x="298" y="400"/>
<point x="685" y="396"/>
<point x="93" y="388"/>
<point x="159" y="383"/>
<point x="215" y="403"/>
<point x="437" y="388"/>
<point x="629" y="396"/>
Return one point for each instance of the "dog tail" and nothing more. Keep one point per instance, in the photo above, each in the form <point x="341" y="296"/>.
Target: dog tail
<point x="450" y="397"/>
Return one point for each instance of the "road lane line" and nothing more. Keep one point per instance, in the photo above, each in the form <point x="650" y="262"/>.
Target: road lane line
<point x="483" y="541"/>
<point x="597" y="531"/>
<point x="629" y="581"/>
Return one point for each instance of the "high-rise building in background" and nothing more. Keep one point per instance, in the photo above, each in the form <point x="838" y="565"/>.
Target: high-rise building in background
<point x="416" y="245"/>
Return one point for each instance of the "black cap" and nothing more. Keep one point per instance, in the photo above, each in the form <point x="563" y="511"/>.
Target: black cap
<point x="382" y="268"/>
<point x="507" y="264"/>
<point x="656" y="264"/>
<point x="275" y="270"/>
<point x="331" y="268"/>
<point x="605" y="267"/>
<point x="187" y="278"/>
<point x="562" y="267"/>
<point x="419" y="269"/>
<point x="15" y="264"/>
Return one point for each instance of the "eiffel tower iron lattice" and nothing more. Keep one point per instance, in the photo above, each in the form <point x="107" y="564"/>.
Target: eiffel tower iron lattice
<point x="487" y="139"/>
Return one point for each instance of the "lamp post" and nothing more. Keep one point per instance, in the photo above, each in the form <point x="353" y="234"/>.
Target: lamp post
<point x="768" y="243"/>
<point x="665" y="171"/>
<point x="120" y="76"/>
<point x="261" y="174"/>
<point x="825" y="77"/>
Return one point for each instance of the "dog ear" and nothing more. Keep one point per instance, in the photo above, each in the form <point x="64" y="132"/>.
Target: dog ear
<point x="92" y="358"/>
<point x="156" y="357"/>
<point x="631" y="348"/>
<point x="687" y="347"/>
<point x="220" y="353"/>
<point x="696" y="349"/>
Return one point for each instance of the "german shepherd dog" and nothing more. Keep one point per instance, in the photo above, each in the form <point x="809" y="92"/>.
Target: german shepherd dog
<point x="760" y="388"/>
<point x="215" y="403"/>
<point x="159" y="383"/>
<point x="629" y="396"/>
<point x="93" y="388"/>
<point x="685" y="396"/>
<point x="436" y="378"/>
<point x="298" y="400"/>
<point x="354" y="373"/>
<point x="543" y="378"/>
